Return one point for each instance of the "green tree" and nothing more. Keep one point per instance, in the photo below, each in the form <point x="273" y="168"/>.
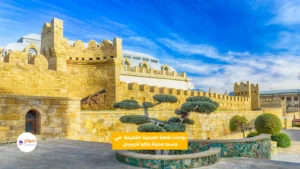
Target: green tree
<point x="238" y="123"/>
<point x="198" y="104"/>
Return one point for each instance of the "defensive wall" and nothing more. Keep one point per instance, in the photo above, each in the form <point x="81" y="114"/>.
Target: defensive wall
<point x="53" y="82"/>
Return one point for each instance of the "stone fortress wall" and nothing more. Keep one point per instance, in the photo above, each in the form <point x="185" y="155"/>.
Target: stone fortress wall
<point x="53" y="82"/>
<point x="143" y="93"/>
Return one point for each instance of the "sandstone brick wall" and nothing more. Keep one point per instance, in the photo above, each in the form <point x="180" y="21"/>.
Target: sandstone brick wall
<point x="87" y="78"/>
<point x="276" y="111"/>
<point x="19" y="77"/>
<point x="59" y="117"/>
<point x="145" y="93"/>
<point x="98" y="125"/>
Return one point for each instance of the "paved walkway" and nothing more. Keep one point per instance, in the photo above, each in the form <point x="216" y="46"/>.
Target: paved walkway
<point x="68" y="154"/>
<point x="291" y="154"/>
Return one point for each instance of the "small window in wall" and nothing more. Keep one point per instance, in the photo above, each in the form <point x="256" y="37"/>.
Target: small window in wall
<point x="136" y="58"/>
<point x="288" y="98"/>
<point x="32" y="51"/>
<point x="145" y="59"/>
<point x="131" y="98"/>
<point x="282" y="98"/>
<point x="295" y="98"/>
<point x="154" y="61"/>
<point x="32" y="123"/>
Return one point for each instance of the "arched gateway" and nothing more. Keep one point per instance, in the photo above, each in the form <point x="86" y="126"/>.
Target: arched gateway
<point x="32" y="122"/>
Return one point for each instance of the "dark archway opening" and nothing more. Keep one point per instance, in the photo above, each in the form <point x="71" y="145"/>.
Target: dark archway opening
<point x="32" y="124"/>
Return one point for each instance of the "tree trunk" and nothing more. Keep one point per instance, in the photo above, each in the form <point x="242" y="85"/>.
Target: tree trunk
<point x="244" y="133"/>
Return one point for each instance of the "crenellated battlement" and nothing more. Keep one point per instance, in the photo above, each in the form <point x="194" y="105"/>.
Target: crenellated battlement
<point x="248" y="90"/>
<point x="60" y="52"/>
<point x="23" y="58"/>
<point x="145" y="93"/>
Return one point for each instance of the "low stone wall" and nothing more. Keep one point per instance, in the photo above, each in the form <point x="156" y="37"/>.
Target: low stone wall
<point x="58" y="116"/>
<point x="254" y="147"/>
<point x="184" y="161"/>
<point x="98" y="126"/>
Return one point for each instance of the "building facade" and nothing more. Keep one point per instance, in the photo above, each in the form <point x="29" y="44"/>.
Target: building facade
<point x="290" y="98"/>
<point x="136" y="67"/>
<point x="68" y="91"/>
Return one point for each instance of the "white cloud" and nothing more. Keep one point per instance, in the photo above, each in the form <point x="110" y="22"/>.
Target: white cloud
<point x="184" y="47"/>
<point x="288" y="41"/>
<point x="269" y="71"/>
<point x="287" y="12"/>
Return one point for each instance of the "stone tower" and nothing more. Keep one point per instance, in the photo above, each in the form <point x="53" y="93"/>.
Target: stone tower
<point x="248" y="90"/>
<point x="53" y="43"/>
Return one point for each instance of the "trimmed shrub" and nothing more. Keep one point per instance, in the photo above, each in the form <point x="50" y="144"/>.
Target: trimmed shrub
<point x="267" y="124"/>
<point x="147" y="104"/>
<point x="161" y="121"/>
<point x="150" y="128"/>
<point x="237" y="122"/>
<point x="175" y="127"/>
<point x="252" y="134"/>
<point x="283" y="140"/>
<point x="202" y="99"/>
<point x="134" y="119"/>
<point x="127" y="104"/>
<point x="180" y="112"/>
<point x="174" y="120"/>
<point x="161" y="98"/>
<point x="188" y="121"/>
<point x="203" y="107"/>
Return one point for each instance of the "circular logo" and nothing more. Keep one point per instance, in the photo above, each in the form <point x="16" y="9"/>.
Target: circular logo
<point x="26" y="142"/>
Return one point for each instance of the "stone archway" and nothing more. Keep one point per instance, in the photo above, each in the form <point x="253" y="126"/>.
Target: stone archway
<point x="32" y="122"/>
<point x="39" y="113"/>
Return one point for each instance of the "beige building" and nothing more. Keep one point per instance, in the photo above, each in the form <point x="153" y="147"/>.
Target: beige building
<point x="290" y="98"/>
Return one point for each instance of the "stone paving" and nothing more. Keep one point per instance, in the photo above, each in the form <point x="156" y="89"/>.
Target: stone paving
<point x="291" y="154"/>
<point x="68" y="154"/>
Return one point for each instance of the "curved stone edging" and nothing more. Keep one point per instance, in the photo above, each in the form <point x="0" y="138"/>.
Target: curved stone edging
<point x="254" y="147"/>
<point x="193" y="160"/>
<point x="256" y="138"/>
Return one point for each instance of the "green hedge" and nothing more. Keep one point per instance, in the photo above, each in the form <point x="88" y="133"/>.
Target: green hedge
<point x="150" y="128"/>
<point x="134" y="119"/>
<point x="127" y="104"/>
<point x="165" y="98"/>
<point x="267" y="124"/>
<point x="282" y="139"/>
<point x="175" y="127"/>
<point x="252" y="134"/>
<point x="203" y="107"/>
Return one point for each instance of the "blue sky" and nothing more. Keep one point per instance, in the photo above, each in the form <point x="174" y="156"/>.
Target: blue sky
<point x="216" y="42"/>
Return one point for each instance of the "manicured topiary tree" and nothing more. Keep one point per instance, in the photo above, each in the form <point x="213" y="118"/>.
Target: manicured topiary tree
<point x="271" y="124"/>
<point x="146" y="124"/>
<point x="252" y="134"/>
<point x="199" y="104"/>
<point x="238" y="123"/>
<point x="267" y="124"/>
<point x="282" y="139"/>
